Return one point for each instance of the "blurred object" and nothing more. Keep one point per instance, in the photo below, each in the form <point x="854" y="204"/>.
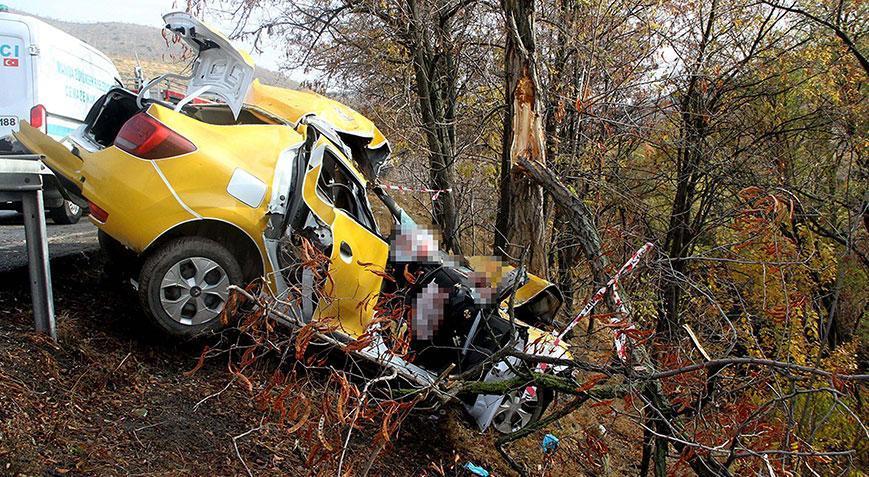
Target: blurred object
<point x="429" y="311"/>
<point x="414" y="243"/>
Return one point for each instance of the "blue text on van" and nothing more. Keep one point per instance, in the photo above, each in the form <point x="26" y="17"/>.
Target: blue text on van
<point x="9" y="50"/>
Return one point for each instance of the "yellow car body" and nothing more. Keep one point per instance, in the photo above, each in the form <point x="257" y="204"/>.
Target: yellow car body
<point x="147" y="200"/>
<point x="246" y="166"/>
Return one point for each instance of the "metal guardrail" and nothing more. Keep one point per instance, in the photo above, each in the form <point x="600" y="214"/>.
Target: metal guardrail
<point x="21" y="180"/>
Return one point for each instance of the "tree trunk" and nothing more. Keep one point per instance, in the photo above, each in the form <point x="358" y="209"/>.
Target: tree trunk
<point x="520" y="220"/>
<point x="693" y="130"/>
<point x="434" y="76"/>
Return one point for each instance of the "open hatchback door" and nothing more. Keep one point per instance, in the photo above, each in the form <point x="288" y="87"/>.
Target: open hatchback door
<point x="220" y="69"/>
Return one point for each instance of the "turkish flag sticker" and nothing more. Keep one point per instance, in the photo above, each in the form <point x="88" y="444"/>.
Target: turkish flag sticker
<point x="10" y="61"/>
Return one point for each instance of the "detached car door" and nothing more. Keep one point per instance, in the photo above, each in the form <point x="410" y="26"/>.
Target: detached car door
<point x="66" y="165"/>
<point x="335" y="194"/>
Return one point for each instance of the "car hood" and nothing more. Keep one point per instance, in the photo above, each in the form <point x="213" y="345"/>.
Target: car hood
<point x="220" y="69"/>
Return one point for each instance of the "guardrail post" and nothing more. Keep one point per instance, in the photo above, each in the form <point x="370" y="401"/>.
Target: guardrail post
<point x="21" y="180"/>
<point x="37" y="262"/>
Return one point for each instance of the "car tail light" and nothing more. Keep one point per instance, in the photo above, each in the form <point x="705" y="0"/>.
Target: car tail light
<point x="145" y="137"/>
<point x="97" y="212"/>
<point x="37" y="116"/>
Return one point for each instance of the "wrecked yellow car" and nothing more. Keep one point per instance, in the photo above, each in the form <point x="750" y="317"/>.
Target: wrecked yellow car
<point x="200" y="195"/>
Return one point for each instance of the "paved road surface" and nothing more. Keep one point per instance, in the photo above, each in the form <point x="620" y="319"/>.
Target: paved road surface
<point x="62" y="239"/>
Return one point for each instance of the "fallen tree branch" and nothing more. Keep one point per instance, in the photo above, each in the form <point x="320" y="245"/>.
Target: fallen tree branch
<point x="718" y="363"/>
<point x="581" y="219"/>
<point x="544" y="381"/>
<point x="235" y="444"/>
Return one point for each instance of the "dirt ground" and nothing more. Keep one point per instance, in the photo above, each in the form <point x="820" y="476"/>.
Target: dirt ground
<point x="111" y="398"/>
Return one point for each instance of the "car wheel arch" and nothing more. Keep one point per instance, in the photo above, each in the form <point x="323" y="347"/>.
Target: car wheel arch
<point x="236" y="240"/>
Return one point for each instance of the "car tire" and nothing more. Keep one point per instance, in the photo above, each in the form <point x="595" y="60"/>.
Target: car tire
<point x="67" y="214"/>
<point x="183" y="285"/>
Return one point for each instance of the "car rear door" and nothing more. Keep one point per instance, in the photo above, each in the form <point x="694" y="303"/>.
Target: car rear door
<point x="219" y="68"/>
<point x="358" y="255"/>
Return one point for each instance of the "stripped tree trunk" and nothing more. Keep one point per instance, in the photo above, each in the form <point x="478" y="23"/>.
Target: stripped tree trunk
<point x="520" y="222"/>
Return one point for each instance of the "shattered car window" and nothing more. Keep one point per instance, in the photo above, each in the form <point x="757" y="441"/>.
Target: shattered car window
<point x="338" y="187"/>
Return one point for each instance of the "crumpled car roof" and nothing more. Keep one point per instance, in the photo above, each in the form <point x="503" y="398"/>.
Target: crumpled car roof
<point x="293" y="105"/>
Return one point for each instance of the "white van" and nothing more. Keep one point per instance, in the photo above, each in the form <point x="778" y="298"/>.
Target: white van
<point x="49" y="79"/>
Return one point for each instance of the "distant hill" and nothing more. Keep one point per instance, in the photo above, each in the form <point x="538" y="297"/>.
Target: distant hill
<point x="124" y="42"/>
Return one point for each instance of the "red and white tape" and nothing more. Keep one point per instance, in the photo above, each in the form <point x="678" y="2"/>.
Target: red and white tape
<point x="436" y="192"/>
<point x="620" y="337"/>
<point x="613" y="283"/>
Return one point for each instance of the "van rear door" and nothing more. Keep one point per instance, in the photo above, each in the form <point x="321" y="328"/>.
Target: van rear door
<point x="16" y="77"/>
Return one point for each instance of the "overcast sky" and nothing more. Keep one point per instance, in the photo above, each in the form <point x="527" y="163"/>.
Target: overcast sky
<point x="142" y="12"/>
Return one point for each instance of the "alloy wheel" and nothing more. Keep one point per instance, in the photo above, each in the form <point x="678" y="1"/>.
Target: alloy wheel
<point x="194" y="290"/>
<point x="515" y="412"/>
